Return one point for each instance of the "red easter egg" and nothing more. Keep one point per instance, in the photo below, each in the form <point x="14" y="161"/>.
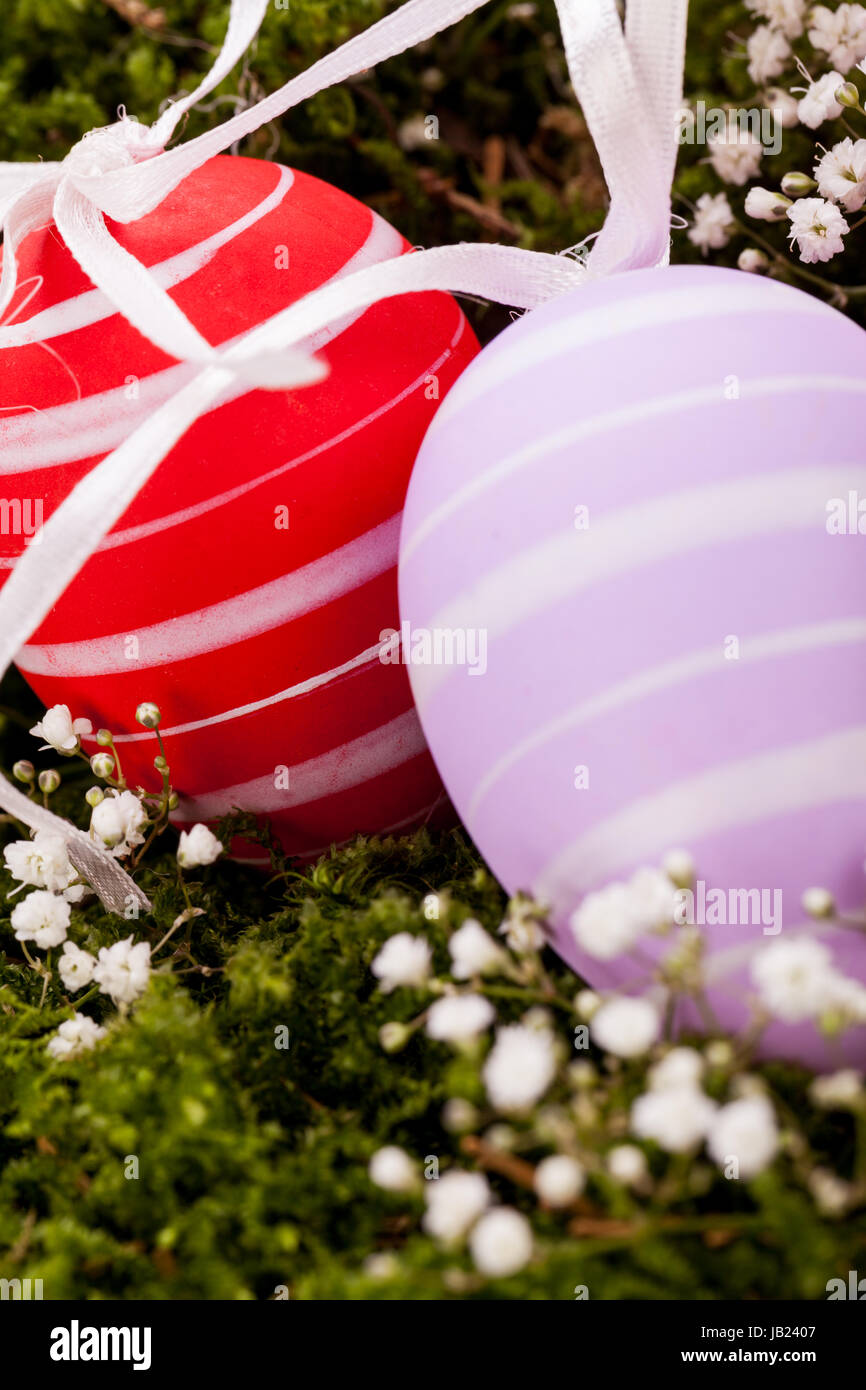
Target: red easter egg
<point x="246" y="587"/>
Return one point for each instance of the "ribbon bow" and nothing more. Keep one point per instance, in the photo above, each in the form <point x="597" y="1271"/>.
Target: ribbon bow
<point x="629" y="83"/>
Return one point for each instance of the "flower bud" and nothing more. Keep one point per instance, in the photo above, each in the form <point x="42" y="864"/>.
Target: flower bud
<point x="104" y="738"/>
<point x="679" y="866"/>
<point x="94" y="795"/>
<point x="102" y="765"/>
<point x="818" y="902"/>
<point x="149" y="715"/>
<point x="23" y="771"/>
<point x="753" y="260"/>
<point x="49" y="780"/>
<point x="797" y="185"/>
<point x="173" y="801"/>
<point x="160" y="763"/>
<point x="848" y="95"/>
<point x="393" y="1037"/>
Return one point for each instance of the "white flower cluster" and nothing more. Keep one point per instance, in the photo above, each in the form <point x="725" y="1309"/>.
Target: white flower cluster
<point x="693" y="1102"/>
<point x="818" y="207"/>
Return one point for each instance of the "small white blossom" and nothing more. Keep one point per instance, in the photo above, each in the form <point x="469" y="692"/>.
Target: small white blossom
<point x="768" y="51"/>
<point x="831" y="1193"/>
<point x="818" y="228"/>
<point x="42" y="918"/>
<point x="626" y="1027"/>
<point x="840" y="1090"/>
<point x="765" y="205"/>
<point x="391" y="1168"/>
<point x="587" y="1003"/>
<point x="788" y="16"/>
<point x="501" y="1243"/>
<point x="519" y="1067"/>
<point x="840" y="33"/>
<point x="559" y="1180"/>
<point x="198" y="846"/>
<point x="605" y="924"/>
<point x="60" y="731"/>
<point x="459" y="1017"/>
<point x="682" y="1066"/>
<point x="454" y="1203"/>
<point x="75" y="966"/>
<point x="522" y="930"/>
<point x="735" y="154"/>
<point x="713" y="222"/>
<point x="784" y="106"/>
<point x="820" y="104"/>
<point x="43" y="862"/>
<point x="745" y="1131"/>
<point x="403" y="960"/>
<point x="474" y="952"/>
<point x="117" y="822"/>
<point x="753" y="261"/>
<point x="627" y="1164"/>
<point x="841" y="174"/>
<point x="793" y="978"/>
<point x="75" y="1035"/>
<point x="847" y="998"/>
<point x="677" y="1117"/>
<point x="123" y="970"/>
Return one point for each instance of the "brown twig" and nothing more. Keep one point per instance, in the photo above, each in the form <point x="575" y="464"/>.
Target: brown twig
<point x="490" y="218"/>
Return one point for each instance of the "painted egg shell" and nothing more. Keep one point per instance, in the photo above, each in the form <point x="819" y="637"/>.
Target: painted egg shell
<point x="245" y="589"/>
<point x="632" y="538"/>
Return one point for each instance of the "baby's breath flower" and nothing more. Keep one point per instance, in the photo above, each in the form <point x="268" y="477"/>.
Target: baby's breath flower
<point x="149" y="715"/>
<point x="713" y="222"/>
<point x="42" y="918"/>
<point x="60" y="731"/>
<point x="753" y="261"/>
<point x="831" y="1193"/>
<point x="676" y="1117"/>
<point x="474" y="952"/>
<point x="793" y="978"/>
<point x="765" y="205"/>
<point x="117" y="821"/>
<point x="818" y="902"/>
<point x="75" y="966"/>
<point x="198" y="846"/>
<point x="819" y="103"/>
<point x="42" y="862"/>
<point x="519" y="1067"/>
<point x="768" y="51"/>
<point x="841" y="174"/>
<point x="23" y="771"/>
<point x="818" y="228"/>
<point x="75" y="1035"/>
<point x="788" y="16"/>
<point x="627" y="1164"/>
<point x="123" y="970"/>
<point x="626" y="1027"/>
<point x="392" y="1169"/>
<point x="559" y="1180"/>
<point x="744" y="1130"/>
<point x="841" y="1090"/>
<point x="735" y="154"/>
<point x="501" y="1243"/>
<point x="459" y="1116"/>
<point x="682" y="1066"/>
<point x="454" y="1203"/>
<point x="840" y="33"/>
<point x="458" y="1018"/>
<point x="49" y="780"/>
<point x="403" y="960"/>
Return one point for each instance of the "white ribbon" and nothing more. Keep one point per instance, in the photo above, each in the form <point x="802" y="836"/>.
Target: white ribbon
<point x="630" y="87"/>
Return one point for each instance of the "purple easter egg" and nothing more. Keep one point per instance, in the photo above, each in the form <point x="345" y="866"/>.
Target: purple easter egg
<point x="632" y="594"/>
